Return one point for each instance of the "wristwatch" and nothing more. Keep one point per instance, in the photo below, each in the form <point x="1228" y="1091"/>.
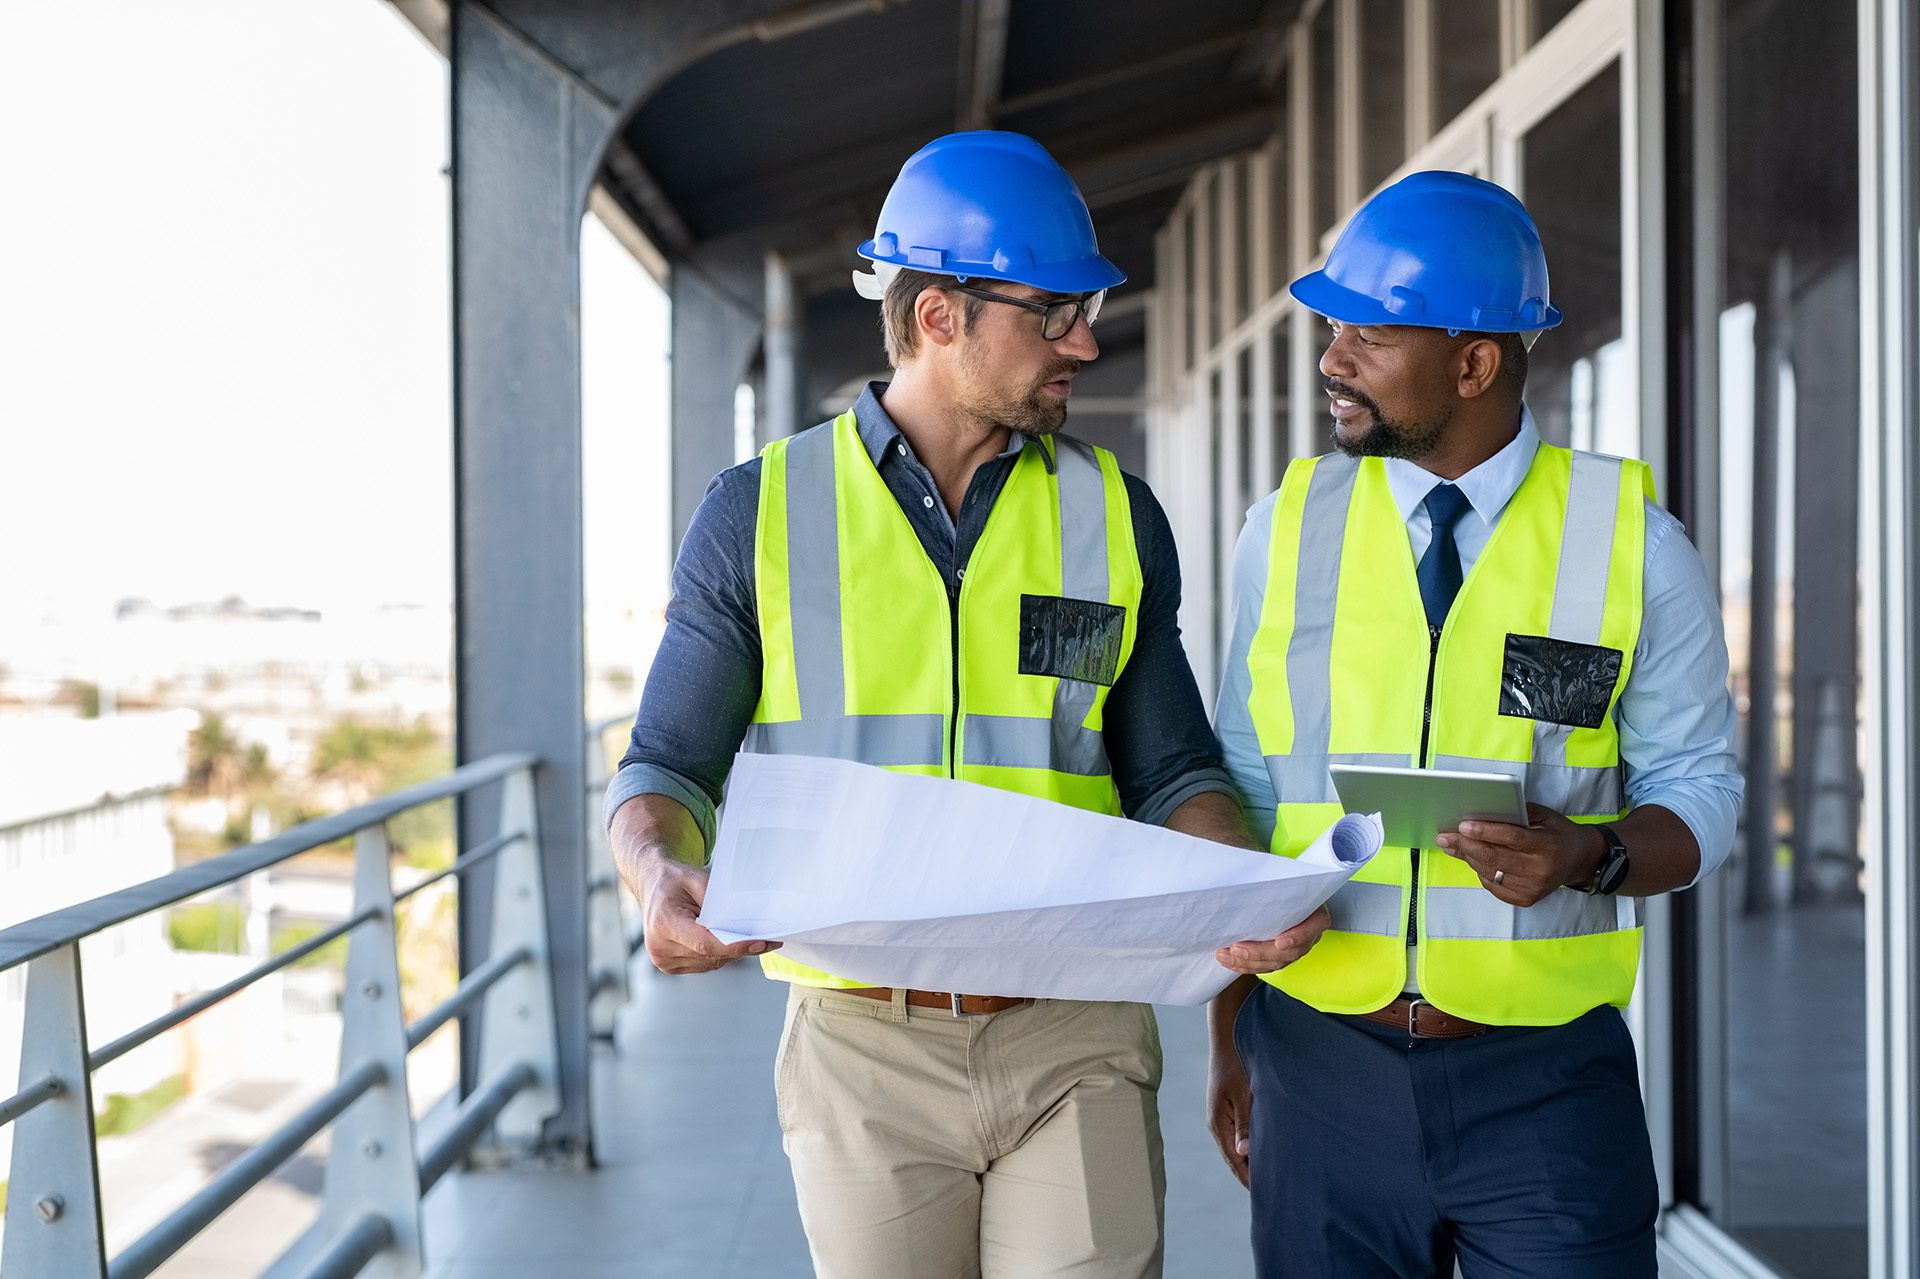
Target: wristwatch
<point x="1612" y="870"/>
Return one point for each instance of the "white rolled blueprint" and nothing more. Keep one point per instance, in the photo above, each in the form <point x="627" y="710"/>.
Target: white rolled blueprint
<point x="936" y="884"/>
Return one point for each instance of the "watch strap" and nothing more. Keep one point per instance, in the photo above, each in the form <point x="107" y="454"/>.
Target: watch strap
<point x="1612" y="870"/>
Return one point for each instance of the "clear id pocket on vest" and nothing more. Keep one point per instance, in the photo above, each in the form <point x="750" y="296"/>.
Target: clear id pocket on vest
<point x="1558" y="681"/>
<point x="1071" y="639"/>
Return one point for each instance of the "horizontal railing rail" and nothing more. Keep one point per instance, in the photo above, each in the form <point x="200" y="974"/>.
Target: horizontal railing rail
<point x="36" y="937"/>
<point x="53" y="1223"/>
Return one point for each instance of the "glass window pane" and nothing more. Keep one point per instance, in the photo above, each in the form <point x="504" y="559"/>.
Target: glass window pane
<point x="1282" y="359"/>
<point x="1580" y="382"/>
<point x="1466" y="46"/>
<point x="1236" y="191"/>
<point x="1280" y="202"/>
<point x="1216" y="409"/>
<point x="1189" y="290"/>
<point x="1790" y="588"/>
<point x="1321" y="132"/>
<point x="1383" y="90"/>
<point x="1546" y="13"/>
<point x="1244" y="493"/>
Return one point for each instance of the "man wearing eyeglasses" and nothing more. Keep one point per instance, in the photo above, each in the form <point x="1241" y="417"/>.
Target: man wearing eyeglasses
<point x="938" y="582"/>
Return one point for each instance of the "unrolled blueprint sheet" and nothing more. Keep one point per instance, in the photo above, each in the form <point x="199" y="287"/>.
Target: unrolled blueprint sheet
<point x="935" y="884"/>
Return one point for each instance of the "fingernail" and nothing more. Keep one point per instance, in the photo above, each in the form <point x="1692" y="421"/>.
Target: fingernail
<point x="757" y="948"/>
<point x="1470" y="829"/>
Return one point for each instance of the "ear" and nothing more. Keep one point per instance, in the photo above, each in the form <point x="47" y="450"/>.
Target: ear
<point x="1477" y="368"/>
<point x="937" y="316"/>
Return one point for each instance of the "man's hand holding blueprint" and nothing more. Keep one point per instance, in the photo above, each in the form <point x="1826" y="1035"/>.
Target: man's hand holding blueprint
<point x="930" y="883"/>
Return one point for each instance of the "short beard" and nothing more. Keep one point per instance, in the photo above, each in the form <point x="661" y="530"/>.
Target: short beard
<point x="1410" y="441"/>
<point x="1036" y="413"/>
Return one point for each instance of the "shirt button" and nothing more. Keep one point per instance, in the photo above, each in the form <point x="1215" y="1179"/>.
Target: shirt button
<point x="961" y="574"/>
<point x="927" y="502"/>
<point x="902" y="448"/>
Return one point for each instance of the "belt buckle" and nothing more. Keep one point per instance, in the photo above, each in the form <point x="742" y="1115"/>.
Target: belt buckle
<point x="1413" y="1017"/>
<point x="954" y="998"/>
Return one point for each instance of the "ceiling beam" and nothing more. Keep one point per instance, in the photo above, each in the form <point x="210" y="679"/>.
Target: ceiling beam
<point x="1139" y="68"/>
<point x="799" y="207"/>
<point x="621" y="168"/>
<point x="1110" y="175"/>
<point x="983" y="62"/>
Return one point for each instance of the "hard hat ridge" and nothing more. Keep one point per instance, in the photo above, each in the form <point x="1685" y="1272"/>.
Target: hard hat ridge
<point x="1436" y="250"/>
<point x="991" y="205"/>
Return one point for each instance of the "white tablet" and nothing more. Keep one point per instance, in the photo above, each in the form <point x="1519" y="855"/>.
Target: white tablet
<point x="1416" y="804"/>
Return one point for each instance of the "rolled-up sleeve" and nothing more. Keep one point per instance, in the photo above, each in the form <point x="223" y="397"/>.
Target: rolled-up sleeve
<point x="705" y="678"/>
<point x="1162" y="750"/>
<point x="1676" y="714"/>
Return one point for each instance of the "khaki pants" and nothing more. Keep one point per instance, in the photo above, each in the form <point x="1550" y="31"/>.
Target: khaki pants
<point x="1012" y="1145"/>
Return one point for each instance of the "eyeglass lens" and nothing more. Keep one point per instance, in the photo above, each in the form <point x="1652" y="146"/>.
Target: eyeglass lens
<point x="1061" y="315"/>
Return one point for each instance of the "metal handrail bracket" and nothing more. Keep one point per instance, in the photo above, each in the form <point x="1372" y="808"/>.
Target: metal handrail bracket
<point x="374" y="1183"/>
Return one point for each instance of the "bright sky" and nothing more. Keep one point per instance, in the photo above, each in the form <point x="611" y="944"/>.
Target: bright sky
<point x="224" y="314"/>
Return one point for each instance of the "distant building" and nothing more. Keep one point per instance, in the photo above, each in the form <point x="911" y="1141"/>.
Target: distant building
<point x="83" y="811"/>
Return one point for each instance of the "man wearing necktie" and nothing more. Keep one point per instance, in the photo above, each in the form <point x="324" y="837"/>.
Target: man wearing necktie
<point x="1447" y="1077"/>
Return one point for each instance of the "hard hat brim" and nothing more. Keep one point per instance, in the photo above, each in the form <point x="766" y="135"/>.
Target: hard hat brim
<point x="1082" y="275"/>
<point x="1320" y="293"/>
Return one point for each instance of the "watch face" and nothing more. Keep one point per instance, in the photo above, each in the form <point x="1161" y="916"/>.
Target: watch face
<point x="1613" y="871"/>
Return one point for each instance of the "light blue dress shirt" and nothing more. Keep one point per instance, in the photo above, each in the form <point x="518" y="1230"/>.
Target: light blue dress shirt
<point x="1675" y="715"/>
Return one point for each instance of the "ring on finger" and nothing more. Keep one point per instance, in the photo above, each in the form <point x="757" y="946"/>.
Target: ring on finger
<point x="1499" y="876"/>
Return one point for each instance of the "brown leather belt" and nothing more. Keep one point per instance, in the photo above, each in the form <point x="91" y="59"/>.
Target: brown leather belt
<point x="1423" y="1021"/>
<point x="958" y="1005"/>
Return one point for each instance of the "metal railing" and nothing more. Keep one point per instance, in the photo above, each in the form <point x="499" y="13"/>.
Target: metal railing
<point x="375" y="1175"/>
<point x="611" y="941"/>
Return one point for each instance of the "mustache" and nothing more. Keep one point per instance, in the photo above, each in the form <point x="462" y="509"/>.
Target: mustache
<point x="1348" y="391"/>
<point x="1065" y="368"/>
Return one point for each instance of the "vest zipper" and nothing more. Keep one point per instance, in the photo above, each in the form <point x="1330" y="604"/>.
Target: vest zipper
<point x="1426" y="730"/>
<point x="953" y="716"/>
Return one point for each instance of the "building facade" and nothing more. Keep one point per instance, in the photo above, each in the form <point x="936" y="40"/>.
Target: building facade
<point x="1724" y="193"/>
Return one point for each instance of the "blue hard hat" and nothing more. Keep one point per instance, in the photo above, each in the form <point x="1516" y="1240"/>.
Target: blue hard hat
<point x="1439" y="250"/>
<point x="992" y="206"/>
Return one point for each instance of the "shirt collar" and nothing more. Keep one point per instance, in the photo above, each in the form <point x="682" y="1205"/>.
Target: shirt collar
<point x="1488" y="486"/>
<point x="878" y="431"/>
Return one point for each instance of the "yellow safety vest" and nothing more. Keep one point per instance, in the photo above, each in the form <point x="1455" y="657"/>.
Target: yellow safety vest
<point x="861" y="654"/>
<point x="1340" y="667"/>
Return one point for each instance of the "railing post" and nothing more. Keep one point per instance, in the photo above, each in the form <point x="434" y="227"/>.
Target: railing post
<point x="606" y="929"/>
<point x="371" y="1164"/>
<point x="516" y="1017"/>
<point x="53" y="1184"/>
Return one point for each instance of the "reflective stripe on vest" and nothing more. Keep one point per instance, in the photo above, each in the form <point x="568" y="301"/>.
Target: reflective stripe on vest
<point x="1062" y="743"/>
<point x="857" y="645"/>
<point x="1337" y="671"/>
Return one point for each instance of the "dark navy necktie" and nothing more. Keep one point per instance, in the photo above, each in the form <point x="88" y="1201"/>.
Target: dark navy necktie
<point x="1439" y="570"/>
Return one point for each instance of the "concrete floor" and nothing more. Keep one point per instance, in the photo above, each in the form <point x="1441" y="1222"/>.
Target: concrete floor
<point x="693" y="1183"/>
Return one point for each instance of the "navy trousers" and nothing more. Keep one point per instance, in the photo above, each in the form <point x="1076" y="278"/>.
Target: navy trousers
<point x="1520" y="1152"/>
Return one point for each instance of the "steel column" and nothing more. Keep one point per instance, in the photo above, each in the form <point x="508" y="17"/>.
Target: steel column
<point x="780" y="411"/>
<point x="525" y="142"/>
<point x="714" y="337"/>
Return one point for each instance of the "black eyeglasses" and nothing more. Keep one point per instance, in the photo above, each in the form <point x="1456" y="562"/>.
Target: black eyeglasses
<point x="1056" y="317"/>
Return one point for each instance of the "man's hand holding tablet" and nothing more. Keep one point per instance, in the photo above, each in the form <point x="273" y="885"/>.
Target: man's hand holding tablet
<point x="1521" y="851"/>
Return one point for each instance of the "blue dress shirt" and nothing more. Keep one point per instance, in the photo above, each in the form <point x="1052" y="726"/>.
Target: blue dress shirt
<point x="705" y="679"/>
<point x="1675" y="715"/>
